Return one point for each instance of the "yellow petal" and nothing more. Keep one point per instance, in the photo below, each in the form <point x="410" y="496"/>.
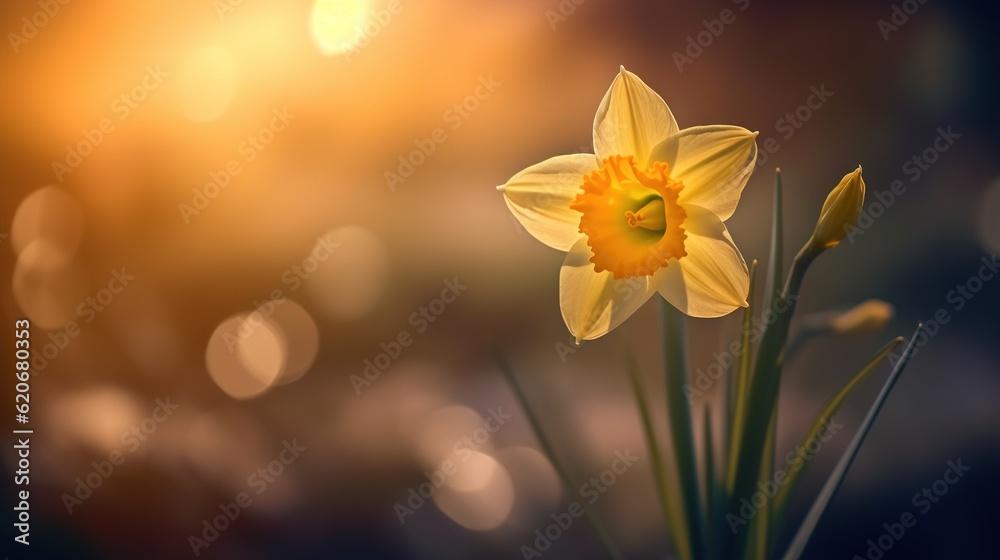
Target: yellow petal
<point x="539" y="197"/>
<point x="712" y="280"/>
<point x="631" y="119"/>
<point x="592" y="302"/>
<point x="713" y="162"/>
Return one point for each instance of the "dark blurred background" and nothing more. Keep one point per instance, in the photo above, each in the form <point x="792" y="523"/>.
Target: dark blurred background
<point x="171" y="167"/>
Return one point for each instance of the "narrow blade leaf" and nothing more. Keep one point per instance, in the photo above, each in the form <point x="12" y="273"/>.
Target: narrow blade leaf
<point x="679" y="418"/>
<point x="775" y="264"/>
<point x="742" y="378"/>
<point x="805" y="531"/>
<point x="550" y="453"/>
<point x="672" y="511"/>
<point x="788" y="490"/>
<point x="760" y="526"/>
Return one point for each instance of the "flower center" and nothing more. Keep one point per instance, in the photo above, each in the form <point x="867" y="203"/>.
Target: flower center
<point x="631" y="217"/>
<point x="652" y="216"/>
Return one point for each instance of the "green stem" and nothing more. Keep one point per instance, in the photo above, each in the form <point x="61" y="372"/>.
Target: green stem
<point x="672" y="512"/>
<point x="764" y="395"/>
<point x="761" y="524"/>
<point x="714" y="501"/>
<point x="679" y="419"/>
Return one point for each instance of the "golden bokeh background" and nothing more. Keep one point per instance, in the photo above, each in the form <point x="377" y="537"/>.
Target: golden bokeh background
<point x="279" y="219"/>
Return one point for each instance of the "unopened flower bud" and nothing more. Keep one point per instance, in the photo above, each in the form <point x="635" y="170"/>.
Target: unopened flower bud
<point x="840" y="211"/>
<point x="865" y="317"/>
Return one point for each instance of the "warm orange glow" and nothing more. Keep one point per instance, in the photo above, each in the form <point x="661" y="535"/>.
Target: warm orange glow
<point x="206" y="84"/>
<point x="337" y="25"/>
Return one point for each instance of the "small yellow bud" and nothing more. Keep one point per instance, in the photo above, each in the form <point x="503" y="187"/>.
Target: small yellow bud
<point x="865" y="317"/>
<point x="840" y="211"/>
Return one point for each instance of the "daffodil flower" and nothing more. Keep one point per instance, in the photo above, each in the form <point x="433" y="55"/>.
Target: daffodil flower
<point x="644" y="214"/>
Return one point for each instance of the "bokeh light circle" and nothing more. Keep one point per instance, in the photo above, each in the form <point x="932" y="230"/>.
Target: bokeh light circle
<point x="49" y="213"/>
<point x="535" y="480"/>
<point x="246" y="355"/>
<point x="49" y="288"/>
<point x="482" y="506"/>
<point x="338" y="25"/>
<point x="301" y="335"/>
<point x="445" y="429"/>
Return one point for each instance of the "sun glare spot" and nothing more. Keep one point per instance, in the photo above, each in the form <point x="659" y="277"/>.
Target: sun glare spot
<point x="337" y="25"/>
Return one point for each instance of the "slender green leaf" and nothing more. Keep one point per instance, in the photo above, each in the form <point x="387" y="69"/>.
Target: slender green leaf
<point x="711" y="482"/>
<point x="718" y="503"/>
<point x="728" y="404"/>
<point x="672" y="512"/>
<point x="742" y="377"/>
<point x="794" y="477"/>
<point x="805" y="531"/>
<point x="549" y="451"/>
<point x="767" y="371"/>
<point x="679" y="418"/>
<point x="760" y="526"/>
<point x="765" y="382"/>
<point x="775" y="265"/>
